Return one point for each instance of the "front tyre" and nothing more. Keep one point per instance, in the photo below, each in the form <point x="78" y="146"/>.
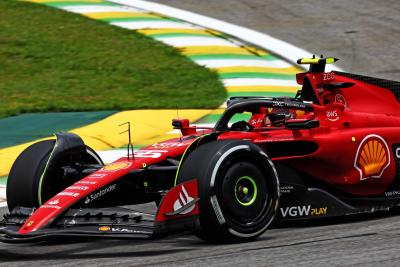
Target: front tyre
<point x="238" y="190"/>
<point x="27" y="186"/>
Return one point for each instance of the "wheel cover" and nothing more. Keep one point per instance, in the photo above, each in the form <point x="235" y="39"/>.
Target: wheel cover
<point x="245" y="191"/>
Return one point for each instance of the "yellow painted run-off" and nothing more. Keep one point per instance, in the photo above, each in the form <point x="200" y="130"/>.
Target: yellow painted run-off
<point x="115" y="15"/>
<point x="290" y="70"/>
<point x="199" y="50"/>
<point x="179" y="31"/>
<point x="148" y="126"/>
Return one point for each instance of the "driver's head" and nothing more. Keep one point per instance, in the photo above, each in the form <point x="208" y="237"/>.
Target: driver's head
<point x="278" y="117"/>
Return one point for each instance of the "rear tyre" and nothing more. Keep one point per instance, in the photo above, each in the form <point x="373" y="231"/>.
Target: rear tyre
<point x="27" y="188"/>
<point x="238" y="190"/>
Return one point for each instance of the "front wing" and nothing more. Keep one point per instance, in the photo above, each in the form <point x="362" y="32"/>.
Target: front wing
<point x="110" y="222"/>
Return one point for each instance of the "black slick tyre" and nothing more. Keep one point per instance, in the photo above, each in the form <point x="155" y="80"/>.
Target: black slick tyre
<point x="238" y="190"/>
<point x="26" y="184"/>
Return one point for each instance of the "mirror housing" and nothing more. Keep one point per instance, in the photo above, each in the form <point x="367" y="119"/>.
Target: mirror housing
<point x="184" y="126"/>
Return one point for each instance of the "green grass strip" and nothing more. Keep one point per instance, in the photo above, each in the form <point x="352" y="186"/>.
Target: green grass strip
<point x="52" y="61"/>
<point x="3" y="180"/>
<point x="135" y="147"/>
<point x="212" y="118"/>
<point x="257" y="75"/>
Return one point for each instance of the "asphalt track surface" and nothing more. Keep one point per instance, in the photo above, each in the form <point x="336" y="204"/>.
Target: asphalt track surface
<point x="367" y="241"/>
<point x="364" y="34"/>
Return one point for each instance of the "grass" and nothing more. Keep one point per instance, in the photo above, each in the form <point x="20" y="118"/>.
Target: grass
<point x="51" y="60"/>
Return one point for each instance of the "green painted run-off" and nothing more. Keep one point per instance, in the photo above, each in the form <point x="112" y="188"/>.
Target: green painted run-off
<point x="3" y="180"/>
<point x="32" y="126"/>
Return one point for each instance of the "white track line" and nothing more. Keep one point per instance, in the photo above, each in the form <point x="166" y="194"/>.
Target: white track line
<point x="137" y="25"/>
<point x="288" y="51"/>
<point x="195" y="41"/>
<point x="94" y="9"/>
<point x="221" y="63"/>
<point x="258" y="81"/>
<point x="3" y="202"/>
<point x="109" y="156"/>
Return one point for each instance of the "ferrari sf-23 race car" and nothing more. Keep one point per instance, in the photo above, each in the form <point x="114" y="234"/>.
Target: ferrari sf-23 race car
<point x="332" y="150"/>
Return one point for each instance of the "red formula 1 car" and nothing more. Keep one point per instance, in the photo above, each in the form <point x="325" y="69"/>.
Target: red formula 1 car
<point x="332" y="150"/>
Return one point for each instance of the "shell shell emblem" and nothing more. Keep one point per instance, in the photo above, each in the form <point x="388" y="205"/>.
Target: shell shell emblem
<point x="104" y="228"/>
<point x="373" y="157"/>
<point x="117" y="166"/>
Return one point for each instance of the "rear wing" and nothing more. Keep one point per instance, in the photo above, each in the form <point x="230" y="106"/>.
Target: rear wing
<point x="316" y="81"/>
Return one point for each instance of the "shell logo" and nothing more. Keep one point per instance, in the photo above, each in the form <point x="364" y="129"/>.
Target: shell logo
<point x="117" y="166"/>
<point x="104" y="228"/>
<point x="373" y="157"/>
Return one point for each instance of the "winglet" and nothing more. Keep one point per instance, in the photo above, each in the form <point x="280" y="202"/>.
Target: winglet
<point x="317" y="64"/>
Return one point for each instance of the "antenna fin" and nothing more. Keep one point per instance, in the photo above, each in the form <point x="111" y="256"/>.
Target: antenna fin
<point x="130" y="146"/>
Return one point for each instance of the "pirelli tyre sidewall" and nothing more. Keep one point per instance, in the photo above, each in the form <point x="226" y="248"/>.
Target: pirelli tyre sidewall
<point x="221" y="167"/>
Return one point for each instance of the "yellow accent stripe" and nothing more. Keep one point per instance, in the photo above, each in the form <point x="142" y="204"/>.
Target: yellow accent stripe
<point x="262" y="88"/>
<point x="309" y="60"/>
<point x="169" y="31"/>
<point x="209" y="50"/>
<point x="121" y="14"/>
<point x="317" y="60"/>
<point x="290" y="70"/>
<point x="330" y="60"/>
<point x="148" y="127"/>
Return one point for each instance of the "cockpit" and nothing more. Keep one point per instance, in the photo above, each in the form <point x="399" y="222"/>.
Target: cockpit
<point x="257" y="113"/>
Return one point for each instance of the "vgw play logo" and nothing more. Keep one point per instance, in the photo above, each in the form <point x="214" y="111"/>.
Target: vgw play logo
<point x="300" y="211"/>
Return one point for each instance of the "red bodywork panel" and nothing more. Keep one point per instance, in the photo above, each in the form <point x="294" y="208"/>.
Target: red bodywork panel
<point x="176" y="203"/>
<point x="105" y="176"/>
<point x="358" y="127"/>
<point x="352" y="149"/>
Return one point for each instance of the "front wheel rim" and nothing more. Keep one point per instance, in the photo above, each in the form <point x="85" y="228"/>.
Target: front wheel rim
<point x="246" y="191"/>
